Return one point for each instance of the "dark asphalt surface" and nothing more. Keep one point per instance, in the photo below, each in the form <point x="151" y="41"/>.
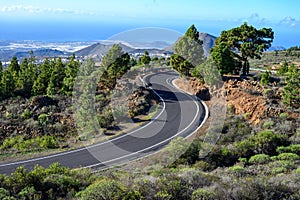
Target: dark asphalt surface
<point x="179" y="115"/>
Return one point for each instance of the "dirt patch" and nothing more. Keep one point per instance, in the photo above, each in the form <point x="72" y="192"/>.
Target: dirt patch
<point x="245" y="97"/>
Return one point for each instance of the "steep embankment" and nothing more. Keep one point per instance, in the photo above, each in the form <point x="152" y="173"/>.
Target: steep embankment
<point x="248" y="98"/>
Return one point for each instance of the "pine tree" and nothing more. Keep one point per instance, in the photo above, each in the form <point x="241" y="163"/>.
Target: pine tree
<point x="115" y="64"/>
<point x="70" y="74"/>
<point x="113" y="53"/>
<point x="244" y="42"/>
<point x="32" y="67"/>
<point x="14" y="65"/>
<point x="283" y="68"/>
<point x="265" y="78"/>
<point x="188" y="52"/>
<point x="22" y="74"/>
<point x="7" y="84"/>
<point x="41" y="83"/>
<point x="225" y="60"/>
<point x="14" y="68"/>
<point x="145" y="59"/>
<point x="84" y="99"/>
<point x="193" y="34"/>
<point x="291" y="92"/>
<point x="27" y="76"/>
<point x="56" y="80"/>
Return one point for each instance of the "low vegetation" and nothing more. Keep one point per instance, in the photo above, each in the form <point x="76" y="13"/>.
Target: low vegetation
<point x="37" y="100"/>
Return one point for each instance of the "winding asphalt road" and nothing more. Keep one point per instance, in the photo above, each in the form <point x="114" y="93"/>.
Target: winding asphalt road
<point x="179" y="114"/>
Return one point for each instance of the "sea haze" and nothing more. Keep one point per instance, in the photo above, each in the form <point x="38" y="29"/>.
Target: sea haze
<point x="60" y="31"/>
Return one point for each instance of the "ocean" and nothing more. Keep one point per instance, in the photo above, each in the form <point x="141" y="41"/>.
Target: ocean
<point x="79" y="31"/>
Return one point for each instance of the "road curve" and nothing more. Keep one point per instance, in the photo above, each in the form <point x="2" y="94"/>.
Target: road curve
<point x="179" y="115"/>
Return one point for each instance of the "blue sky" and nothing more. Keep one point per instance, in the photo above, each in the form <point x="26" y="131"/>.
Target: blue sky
<point x="117" y="15"/>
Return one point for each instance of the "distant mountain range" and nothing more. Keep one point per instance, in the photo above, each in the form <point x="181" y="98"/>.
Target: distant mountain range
<point x="98" y="50"/>
<point x="95" y="50"/>
<point x="42" y="53"/>
<point x="276" y="48"/>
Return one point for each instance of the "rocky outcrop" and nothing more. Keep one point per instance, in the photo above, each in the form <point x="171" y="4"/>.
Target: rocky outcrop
<point x="246" y="98"/>
<point x="194" y="86"/>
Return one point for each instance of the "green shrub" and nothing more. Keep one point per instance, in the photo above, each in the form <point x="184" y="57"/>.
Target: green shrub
<point x="259" y="159"/>
<point x="26" y="114"/>
<point x="288" y="164"/>
<point x="43" y="119"/>
<point x="279" y="170"/>
<point x="48" y="142"/>
<point x="103" y="190"/>
<point x="27" y="192"/>
<point x="162" y="195"/>
<point x="202" y="165"/>
<point x="10" y="142"/>
<point x="203" y="194"/>
<point x="268" y="124"/>
<point x="287" y="156"/>
<point x="289" y="149"/>
<point x="36" y="143"/>
<point x="265" y="78"/>
<point x="284" y="115"/>
<point x="237" y="168"/>
<point x="221" y="157"/>
<point x="265" y="142"/>
<point x="5" y="194"/>
<point x="298" y="170"/>
<point x="55" y="182"/>
<point x="244" y="148"/>
<point x="105" y="120"/>
<point x="283" y="68"/>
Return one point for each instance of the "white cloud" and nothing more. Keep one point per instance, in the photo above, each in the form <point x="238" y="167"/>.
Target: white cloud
<point x="256" y="19"/>
<point x="289" y="21"/>
<point x="37" y="10"/>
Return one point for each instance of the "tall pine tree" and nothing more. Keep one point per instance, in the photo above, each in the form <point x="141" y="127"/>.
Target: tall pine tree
<point x="188" y="52"/>
<point x="291" y="92"/>
<point x="14" y="68"/>
<point x="56" y="80"/>
<point x="41" y="83"/>
<point x="27" y="75"/>
<point x="7" y="84"/>
<point x="70" y="74"/>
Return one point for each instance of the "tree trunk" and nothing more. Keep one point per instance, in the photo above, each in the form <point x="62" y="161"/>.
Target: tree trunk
<point x="245" y="67"/>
